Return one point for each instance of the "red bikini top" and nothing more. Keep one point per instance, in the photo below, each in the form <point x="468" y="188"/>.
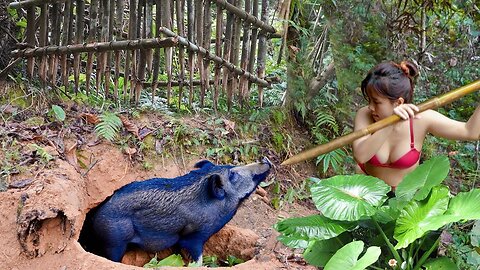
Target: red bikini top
<point x="406" y="161"/>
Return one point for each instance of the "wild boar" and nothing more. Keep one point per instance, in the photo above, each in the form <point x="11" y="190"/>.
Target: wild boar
<point x="181" y="212"/>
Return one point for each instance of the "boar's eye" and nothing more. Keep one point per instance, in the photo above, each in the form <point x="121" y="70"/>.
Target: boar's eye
<point x="233" y="176"/>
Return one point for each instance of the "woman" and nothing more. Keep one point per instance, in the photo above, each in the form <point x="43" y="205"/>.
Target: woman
<point x="394" y="151"/>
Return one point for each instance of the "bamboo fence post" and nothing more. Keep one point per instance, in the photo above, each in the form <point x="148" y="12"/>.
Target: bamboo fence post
<point x="181" y="51"/>
<point x="133" y="29"/>
<point x="236" y="48"/>
<point x="432" y="103"/>
<point x="65" y="41"/>
<point x="262" y="52"/>
<point x="30" y="38"/>
<point x="218" y="51"/>
<point x="190" y="36"/>
<point x="199" y="41"/>
<point x="143" y="56"/>
<point x="101" y="37"/>
<point x="149" y="34"/>
<point x="207" y="26"/>
<point x="55" y="41"/>
<point x="118" y="53"/>
<point x="110" y="11"/>
<point x="156" y="55"/>
<point x="245" y="57"/>
<point x="92" y="31"/>
<point x="80" y="22"/>
<point x="167" y="22"/>
<point x="253" y="45"/>
<point x="226" y="55"/>
<point x="43" y="40"/>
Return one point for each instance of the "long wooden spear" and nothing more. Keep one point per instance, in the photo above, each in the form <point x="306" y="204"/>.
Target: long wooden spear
<point x="433" y="103"/>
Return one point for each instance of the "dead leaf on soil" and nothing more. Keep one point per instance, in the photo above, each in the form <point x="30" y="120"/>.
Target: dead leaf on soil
<point x="71" y="156"/>
<point x="131" y="127"/>
<point x="144" y="132"/>
<point x="90" y="118"/>
<point x="229" y="125"/>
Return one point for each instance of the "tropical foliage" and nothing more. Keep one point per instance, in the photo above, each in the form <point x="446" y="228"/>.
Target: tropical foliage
<point x="406" y="227"/>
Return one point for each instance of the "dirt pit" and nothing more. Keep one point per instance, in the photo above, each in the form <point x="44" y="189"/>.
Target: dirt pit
<point x="42" y="215"/>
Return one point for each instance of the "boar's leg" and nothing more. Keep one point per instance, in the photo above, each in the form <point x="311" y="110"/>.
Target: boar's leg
<point x="115" y="253"/>
<point x="193" y="244"/>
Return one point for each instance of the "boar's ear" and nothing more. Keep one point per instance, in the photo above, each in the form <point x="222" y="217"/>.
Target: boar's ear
<point x="215" y="184"/>
<point x="203" y="164"/>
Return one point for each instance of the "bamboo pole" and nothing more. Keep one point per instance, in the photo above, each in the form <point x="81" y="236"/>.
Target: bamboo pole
<point x="226" y="55"/>
<point x="242" y="88"/>
<point x="31" y="3"/>
<point x="253" y="45"/>
<point x="93" y="12"/>
<point x="433" y="103"/>
<point x="156" y="55"/>
<point x="143" y="54"/>
<point x="118" y="53"/>
<point x="147" y="43"/>
<point x="245" y="16"/>
<point x="218" y="51"/>
<point x="55" y="40"/>
<point x="43" y="40"/>
<point x="167" y="16"/>
<point x="199" y="40"/>
<point x="236" y="70"/>
<point x="262" y="52"/>
<point x="30" y="38"/>
<point x="180" y="6"/>
<point x="80" y="23"/>
<point x="235" y="52"/>
<point x="207" y="26"/>
<point x="191" y="55"/>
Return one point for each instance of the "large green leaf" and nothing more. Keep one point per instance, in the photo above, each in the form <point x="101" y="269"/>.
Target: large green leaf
<point x="411" y="224"/>
<point x="319" y="252"/>
<point x="349" y="197"/>
<point x="464" y="206"/>
<point x="418" y="183"/>
<point x="442" y="263"/>
<point x="314" y="227"/>
<point x="293" y="241"/>
<point x="346" y="258"/>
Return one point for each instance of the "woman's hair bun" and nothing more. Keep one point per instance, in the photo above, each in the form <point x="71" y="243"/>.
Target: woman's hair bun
<point x="408" y="68"/>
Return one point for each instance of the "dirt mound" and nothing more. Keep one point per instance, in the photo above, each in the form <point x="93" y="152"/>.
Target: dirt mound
<point x="42" y="215"/>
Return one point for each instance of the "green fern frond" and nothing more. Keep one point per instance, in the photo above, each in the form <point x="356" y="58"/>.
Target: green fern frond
<point x="324" y="119"/>
<point x="332" y="159"/>
<point x="109" y="126"/>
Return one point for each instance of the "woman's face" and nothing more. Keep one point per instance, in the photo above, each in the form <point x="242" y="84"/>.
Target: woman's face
<point x="379" y="105"/>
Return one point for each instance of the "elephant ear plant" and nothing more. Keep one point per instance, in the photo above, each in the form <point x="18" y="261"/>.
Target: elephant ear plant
<point x="402" y="232"/>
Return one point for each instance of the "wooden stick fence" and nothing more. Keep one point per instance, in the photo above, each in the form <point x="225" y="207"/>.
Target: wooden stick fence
<point x="158" y="44"/>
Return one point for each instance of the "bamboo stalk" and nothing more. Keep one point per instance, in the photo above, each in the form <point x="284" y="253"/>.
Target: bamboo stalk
<point x="262" y="52"/>
<point x="156" y="55"/>
<point x="236" y="70"/>
<point x="30" y="38"/>
<point x="31" y="3"/>
<point x="167" y="17"/>
<point x="226" y="54"/>
<point x="180" y="5"/>
<point x="105" y="71"/>
<point x="91" y="37"/>
<point x="433" y="103"/>
<point x="235" y="51"/>
<point x="133" y="34"/>
<point x="80" y="22"/>
<point x="207" y="26"/>
<point x="190" y="36"/>
<point x="141" y="15"/>
<point x="245" y="57"/>
<point x="199" y="40"/>
<point x="55" y="40"/>
<point x="43" y="40"/>
<point x="253" y="45"/>
<point x="218" y="51"/>
<point x="245" y="16"/>
<point x="118" y="53"/>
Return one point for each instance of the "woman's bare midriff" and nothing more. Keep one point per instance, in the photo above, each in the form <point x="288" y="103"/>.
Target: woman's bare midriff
<point x="391" y="176"/>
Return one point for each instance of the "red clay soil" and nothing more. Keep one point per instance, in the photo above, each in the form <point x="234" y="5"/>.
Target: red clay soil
<point x="41" y="219"/>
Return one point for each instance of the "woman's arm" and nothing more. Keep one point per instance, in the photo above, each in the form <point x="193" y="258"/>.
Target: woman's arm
<point x="365" y="147"/>
<point x="444" y="127"/>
